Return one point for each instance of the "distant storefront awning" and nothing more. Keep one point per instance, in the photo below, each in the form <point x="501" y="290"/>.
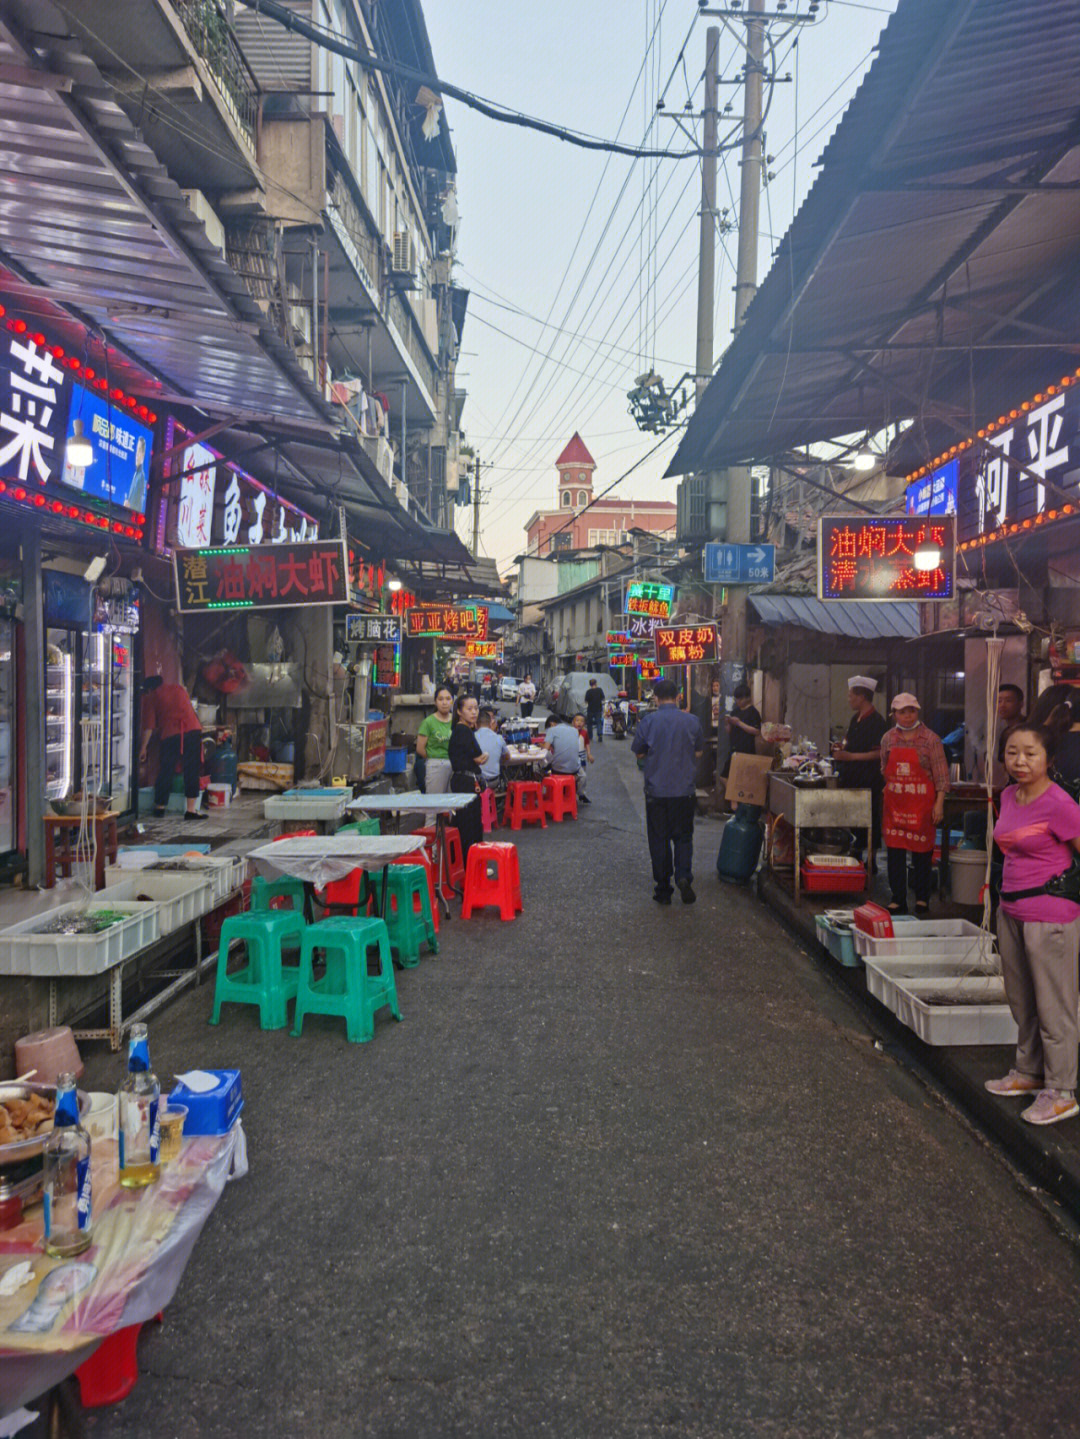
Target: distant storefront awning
<point x="849" y="618"/>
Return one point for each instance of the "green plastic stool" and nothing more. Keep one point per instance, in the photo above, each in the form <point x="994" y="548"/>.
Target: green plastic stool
<point x="347" y="989"/>
<point x="263" y="891"/>
<point x="409" y="924"/>
<point x="264" y="980"/>
<point x="361" y="826"/>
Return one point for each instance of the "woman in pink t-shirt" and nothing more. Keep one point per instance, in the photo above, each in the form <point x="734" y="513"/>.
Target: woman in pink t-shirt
<point x="1039" y="936"/>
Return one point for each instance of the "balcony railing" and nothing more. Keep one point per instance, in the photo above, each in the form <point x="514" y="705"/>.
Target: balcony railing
<point x="399" y="313"/>
<point x="209" y="31"/>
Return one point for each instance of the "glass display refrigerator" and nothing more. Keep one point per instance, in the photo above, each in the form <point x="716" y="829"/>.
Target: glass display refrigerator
<point x="59" y="715"/>
<point x="8" y="819"/>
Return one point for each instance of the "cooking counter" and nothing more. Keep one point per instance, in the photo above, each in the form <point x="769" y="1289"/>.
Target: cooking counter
<point x="818" y="807"/>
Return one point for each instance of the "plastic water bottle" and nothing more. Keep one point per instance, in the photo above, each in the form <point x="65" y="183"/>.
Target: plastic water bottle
<point x="139" y="1127"/>
<point x="66" y="1166"/>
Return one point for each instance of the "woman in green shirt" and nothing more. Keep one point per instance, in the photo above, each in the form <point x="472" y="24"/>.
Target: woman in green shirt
<point x="433" y="745"/>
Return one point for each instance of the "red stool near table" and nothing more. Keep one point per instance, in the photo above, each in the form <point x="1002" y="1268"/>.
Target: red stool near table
<point x="492" y="877"/>
<point x="560" y="797"/>
<point x="524" y="803"/>
<point x="453" y="864"/>
<point x="110" y="1373"/>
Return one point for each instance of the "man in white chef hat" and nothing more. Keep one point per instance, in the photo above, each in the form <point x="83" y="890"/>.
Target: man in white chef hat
<point x="858" y="758"/>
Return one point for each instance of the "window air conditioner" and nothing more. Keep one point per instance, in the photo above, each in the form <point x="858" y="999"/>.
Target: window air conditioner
<point x="404" y="259"/>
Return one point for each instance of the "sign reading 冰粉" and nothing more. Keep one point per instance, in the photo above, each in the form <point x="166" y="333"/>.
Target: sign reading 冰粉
<point x="262" y="577"/>
<point x="376" y="629"/>
<point x="872" y="557"/>
<point x="686" y="645"/>
<point x="647" y="597"/>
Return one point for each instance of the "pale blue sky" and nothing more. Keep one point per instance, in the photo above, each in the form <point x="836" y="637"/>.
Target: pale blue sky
<point x="524" y="198"/>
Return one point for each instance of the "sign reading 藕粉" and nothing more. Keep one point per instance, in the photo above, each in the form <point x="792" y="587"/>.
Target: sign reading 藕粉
<point x="649" y="598"/>
<point x="262" y="576"/>
<point x="448" y="622"/>
<point x="377" y="629"/>
<point x="873" y="557"/>
<point x="686" y="645"/>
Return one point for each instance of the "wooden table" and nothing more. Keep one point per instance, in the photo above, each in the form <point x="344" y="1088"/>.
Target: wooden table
<point x="813" y="808"/>
<point x="65" y="828"/>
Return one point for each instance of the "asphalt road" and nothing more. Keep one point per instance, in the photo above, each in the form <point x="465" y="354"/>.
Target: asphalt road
<point x="623" y="1170"/>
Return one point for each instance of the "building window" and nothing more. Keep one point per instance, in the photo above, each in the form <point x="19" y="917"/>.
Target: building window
<point x="582" y="497"/>
<point x="566" y="500"/>
<point x="583" y="478"/>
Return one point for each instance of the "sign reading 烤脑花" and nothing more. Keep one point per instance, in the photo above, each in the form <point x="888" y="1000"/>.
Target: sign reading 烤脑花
<point x="686" y="645"/>
<point x="373" y="629"/>
<point x="649" y="598"/>
<point x="262" y="577"/>
<point x="739" y="564"/>
<point x="872" y="557"/>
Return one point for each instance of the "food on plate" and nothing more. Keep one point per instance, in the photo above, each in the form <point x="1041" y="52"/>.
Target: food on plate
<point x="24" y="1118"/>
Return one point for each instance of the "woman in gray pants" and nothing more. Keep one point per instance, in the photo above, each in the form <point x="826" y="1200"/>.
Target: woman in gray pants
<point x="1038" y="933"/>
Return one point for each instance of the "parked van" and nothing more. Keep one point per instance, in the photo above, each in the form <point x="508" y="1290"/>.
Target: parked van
<point x="570" y="699"/>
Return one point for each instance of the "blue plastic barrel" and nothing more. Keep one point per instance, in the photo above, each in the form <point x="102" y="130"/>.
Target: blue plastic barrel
<point x="740" y="846"/>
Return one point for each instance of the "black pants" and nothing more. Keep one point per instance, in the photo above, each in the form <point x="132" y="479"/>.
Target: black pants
<point x="468" y="821"/>
<point x="526" y="708"/>
<point x="594" y="724"/>
<point x="898" y="867"/>
<point x="669" y="824"/>
<point x="190" y="745"/>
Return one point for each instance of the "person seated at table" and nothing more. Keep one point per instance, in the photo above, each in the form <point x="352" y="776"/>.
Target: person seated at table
<point x="495" y="749"/>
<point x="466" y="757"/>
<point x="563" y="744"/>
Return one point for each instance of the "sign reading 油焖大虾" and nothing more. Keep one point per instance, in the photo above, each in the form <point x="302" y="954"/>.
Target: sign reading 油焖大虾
<point x="374" y="629"/>
<point x="686" y="645"/>
<point x="649" y="598"/>
<point x="481" y="649"/>
<point x="262" y="576"/>
<point x="873" y="557"/>
<point x="447" y="622"/>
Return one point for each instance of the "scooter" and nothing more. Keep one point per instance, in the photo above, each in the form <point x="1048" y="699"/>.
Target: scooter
<point x="618" y="720"/>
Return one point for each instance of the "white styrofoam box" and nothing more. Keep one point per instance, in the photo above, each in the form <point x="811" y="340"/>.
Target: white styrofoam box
<point x="947" y="1024"/>
<point x="936" y="966"/>
<point x="313" y="808"/>
<point x="938" y="937"/>
<point x="225" y="872"/>
<point x="51" y="956"/>
<point x="182" y="898"/>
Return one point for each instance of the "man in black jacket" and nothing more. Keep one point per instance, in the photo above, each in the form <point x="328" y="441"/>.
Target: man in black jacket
<point x="594" y="711"/>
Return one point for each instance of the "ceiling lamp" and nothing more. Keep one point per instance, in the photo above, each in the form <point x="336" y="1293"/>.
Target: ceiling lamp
<point x="393" y="586"/>
<point x="864" y="459"/>
<point x="79" y="452"/>
<point x="927" y="556"/>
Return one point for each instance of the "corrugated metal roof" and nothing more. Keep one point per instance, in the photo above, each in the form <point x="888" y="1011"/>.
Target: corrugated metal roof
<point x="925" y="247"/>
<point x="851" y="618"/>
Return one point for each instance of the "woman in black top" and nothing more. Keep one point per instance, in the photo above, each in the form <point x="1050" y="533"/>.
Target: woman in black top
<point x="466" y="757"/>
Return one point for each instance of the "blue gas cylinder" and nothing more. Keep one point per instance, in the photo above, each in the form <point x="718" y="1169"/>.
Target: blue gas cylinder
<point x="740" y="845"/>
<point x="223" y="765"/>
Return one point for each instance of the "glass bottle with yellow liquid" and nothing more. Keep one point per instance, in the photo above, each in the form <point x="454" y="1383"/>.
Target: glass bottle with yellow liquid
<point x="139" y="1127"/>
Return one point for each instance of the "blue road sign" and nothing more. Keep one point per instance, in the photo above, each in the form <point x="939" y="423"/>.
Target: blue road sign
<point x="739" y="564"/>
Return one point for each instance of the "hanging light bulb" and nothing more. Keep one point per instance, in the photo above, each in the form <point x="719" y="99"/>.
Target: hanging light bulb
<point x="927" y="555"/>
<point x="393" y="586"/>
<point x="79" y="452"/>
<point x="864" y="459"/>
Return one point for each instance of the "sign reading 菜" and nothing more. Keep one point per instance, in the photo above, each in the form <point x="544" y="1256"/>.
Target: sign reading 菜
<point x="647" y="597"/>
<point x="686" y="645"/>
<point x="262" y="577"/>
<point x="873" y="557"/>
<point x="373" y="629"/>
<point x="447" y="622"/>
<point x="481" y="649"/>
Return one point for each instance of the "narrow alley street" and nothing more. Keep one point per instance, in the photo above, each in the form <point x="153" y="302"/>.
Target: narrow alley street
<point x="622" y="1170"/>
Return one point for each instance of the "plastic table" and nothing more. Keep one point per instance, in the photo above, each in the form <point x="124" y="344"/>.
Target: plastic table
<point x="440" y="805"/>
<point x="318" y="859"/>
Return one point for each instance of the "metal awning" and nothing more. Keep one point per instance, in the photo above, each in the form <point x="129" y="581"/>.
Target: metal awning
<point x="852" y="619"/>
<point x="932" y="269"/>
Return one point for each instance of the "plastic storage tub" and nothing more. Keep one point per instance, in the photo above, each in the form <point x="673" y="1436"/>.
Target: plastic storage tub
<point x="396" y="761"/>
<point x="215" y="1110"/>
<point x="837" y="941"/>
<point x="182" y="898"/>
<point x="833" y="878"/>
<point x="23" y="950"/>
<point x="982" y="1018"/>
<point x="967" y="875"/>
<point x="938" y="937"/>
<point x="306" y="805"/>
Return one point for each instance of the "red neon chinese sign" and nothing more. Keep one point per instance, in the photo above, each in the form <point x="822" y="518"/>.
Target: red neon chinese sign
<point x="448" y="622"/>
<point x="869" y="557"/>
<point x="262" y="577"/>
<point x="686" y="645"/>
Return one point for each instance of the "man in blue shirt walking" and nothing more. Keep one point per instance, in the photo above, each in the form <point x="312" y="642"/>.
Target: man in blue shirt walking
<point x="671" y="742"/>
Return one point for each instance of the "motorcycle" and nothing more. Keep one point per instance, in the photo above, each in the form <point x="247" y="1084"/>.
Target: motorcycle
<point x="614" y="713"/>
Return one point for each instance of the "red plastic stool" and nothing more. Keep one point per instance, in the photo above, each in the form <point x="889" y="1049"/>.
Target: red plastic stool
<point x="489" y="810"/>
<point x="560" y="796"/>
<point x="429" y="870"/>
<point x="525" y="803"/>
<point x="501" y="886"/>
<point x="110" y="1373"/>
<point x="453" y="860"/>
<point x="345" y="896"/>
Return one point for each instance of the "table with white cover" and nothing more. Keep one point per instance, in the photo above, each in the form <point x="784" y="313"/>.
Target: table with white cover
<point x="320" y="859"/>
<point x="413" y="802"/>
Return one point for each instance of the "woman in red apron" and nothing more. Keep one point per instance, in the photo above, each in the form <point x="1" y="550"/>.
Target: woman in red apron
<point x="916" y="778"/>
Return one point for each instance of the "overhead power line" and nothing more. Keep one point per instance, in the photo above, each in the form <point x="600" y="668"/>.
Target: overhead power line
<point x="492" y="109"/>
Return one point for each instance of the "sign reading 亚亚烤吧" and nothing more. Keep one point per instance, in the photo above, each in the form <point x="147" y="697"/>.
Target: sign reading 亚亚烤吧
<point x="686" y="645"/>
<point x="886" y="557"/>
<point x="447" y="622"/>
<point x="647" y="597"/>
<point x="314" y="572"/>
<point x="374" y="629"/>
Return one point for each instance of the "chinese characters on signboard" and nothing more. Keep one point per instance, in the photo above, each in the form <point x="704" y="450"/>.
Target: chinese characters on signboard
<point x="448" y="622"/>
<point x="121" y="452"/>
<point x="936" y="494"/>
<point x="649" y="671"/>
<point x="481" y="649"/>
<point x="686" y="645"/>
<point x="388" y="666"/>
<point x="863" y="557"/>
<point x="266" y="576"/>
<point x="644" y="597"/>
<point x="617" y="659"/>
<point x="373" y="629"/>
<point x="195" y="510"/>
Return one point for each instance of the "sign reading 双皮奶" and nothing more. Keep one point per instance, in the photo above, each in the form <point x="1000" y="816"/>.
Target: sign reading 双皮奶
<point x="373" y="629"/>
<point x="686" y="645"/>
<point x="262" y="576"/>
<point x="873" y="557"/>
<point x="650" y="598"/>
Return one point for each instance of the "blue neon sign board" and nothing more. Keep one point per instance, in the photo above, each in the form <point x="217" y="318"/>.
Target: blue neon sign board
<point x="936" y="493"/>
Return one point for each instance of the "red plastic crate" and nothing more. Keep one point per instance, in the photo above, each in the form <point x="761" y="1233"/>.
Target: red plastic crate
<point x="832" y="879"/>
<point x="874" y="920"/>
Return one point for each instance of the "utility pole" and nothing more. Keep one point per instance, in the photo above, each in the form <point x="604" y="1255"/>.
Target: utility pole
<point x="476" y="511"/>
<point x="706" y="298"/>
